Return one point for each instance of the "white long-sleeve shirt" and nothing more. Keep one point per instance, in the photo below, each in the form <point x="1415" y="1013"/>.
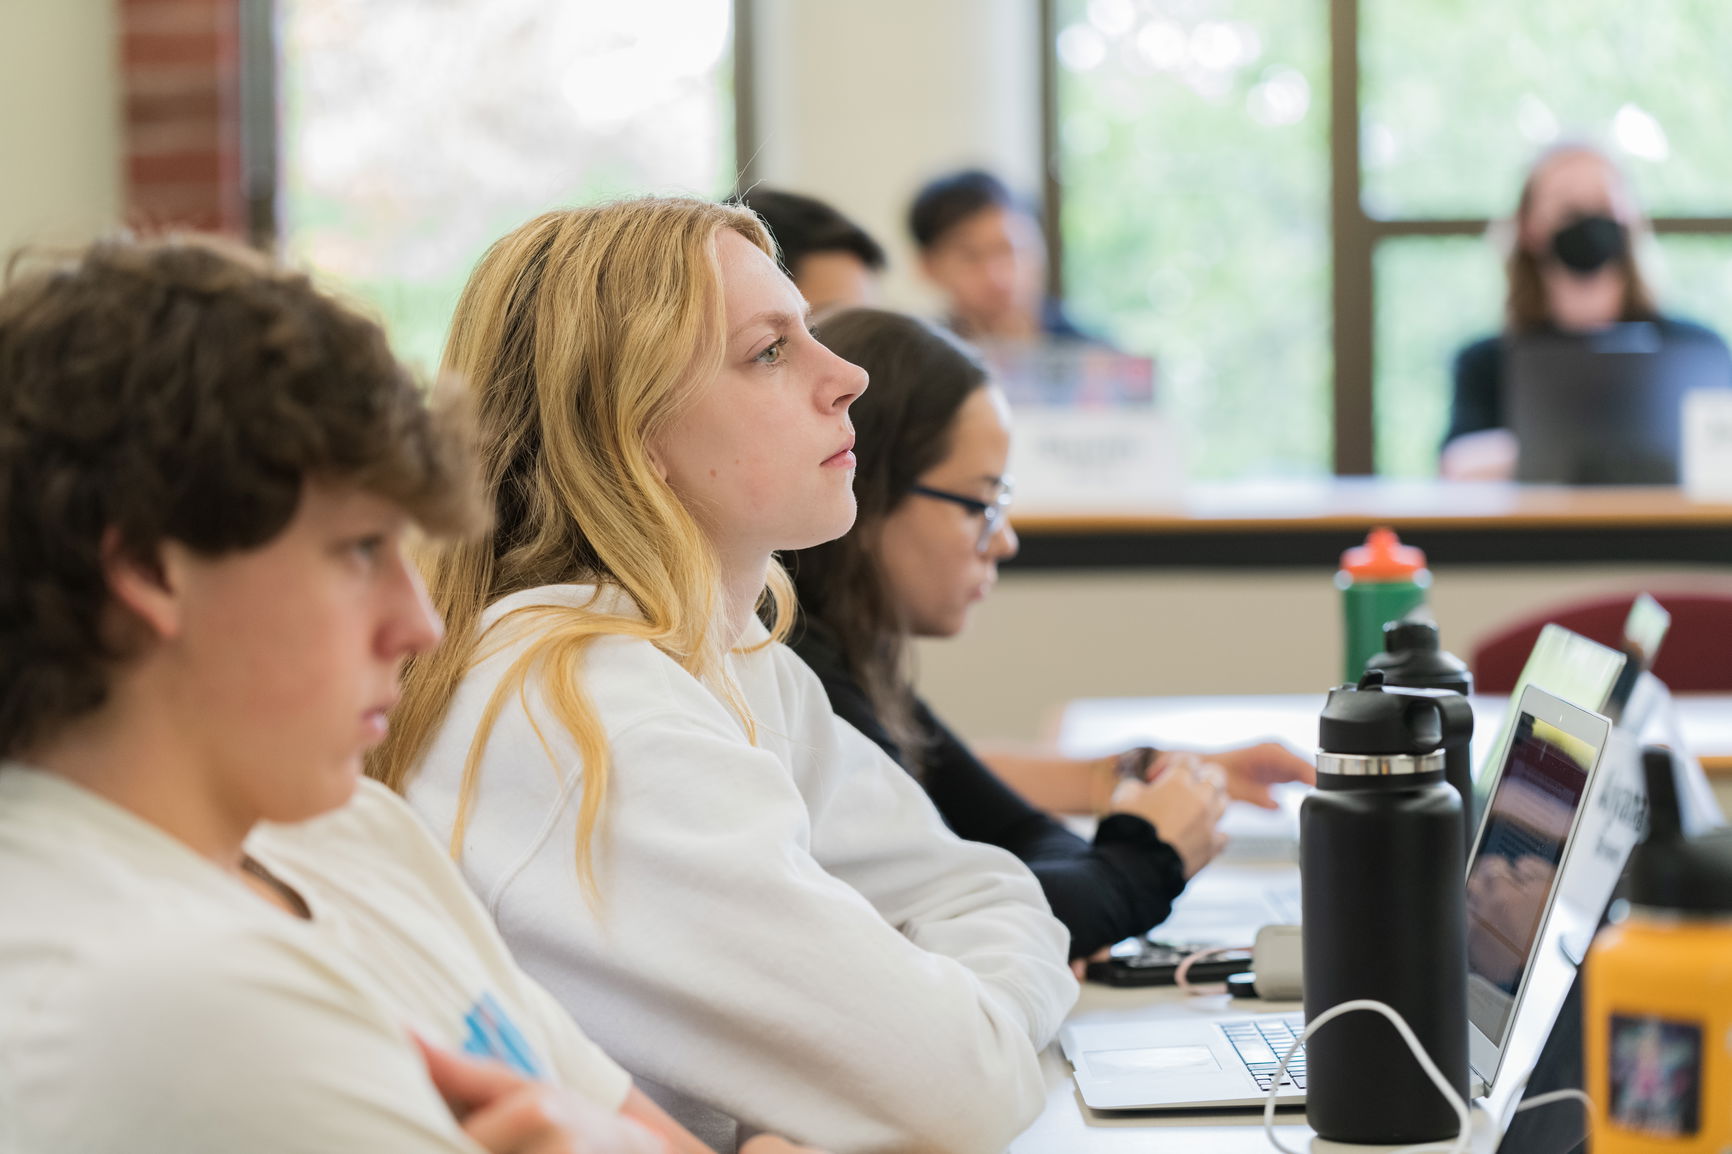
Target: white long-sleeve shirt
<point x="787" y="935"/>
<point x="150" y="1003"/>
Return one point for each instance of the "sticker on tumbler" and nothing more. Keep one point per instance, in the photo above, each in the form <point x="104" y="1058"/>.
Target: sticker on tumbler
<point x="1656" y="1076"/>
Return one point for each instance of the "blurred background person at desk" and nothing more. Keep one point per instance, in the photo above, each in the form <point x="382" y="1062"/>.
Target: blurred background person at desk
<point x="981" y="246"/>
<point x="933" y="442"/>
<point x="833" y="261"/>
<point x="1574" y="267"/>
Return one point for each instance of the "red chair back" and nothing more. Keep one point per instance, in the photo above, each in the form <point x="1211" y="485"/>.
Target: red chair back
<point x="1695" y="658"/>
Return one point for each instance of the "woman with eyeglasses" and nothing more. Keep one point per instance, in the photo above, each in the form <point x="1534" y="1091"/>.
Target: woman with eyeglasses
<point x="932" y="491"/>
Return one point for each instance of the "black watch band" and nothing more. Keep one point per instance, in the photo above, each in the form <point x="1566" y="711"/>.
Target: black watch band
<point x="1135" y="763"/>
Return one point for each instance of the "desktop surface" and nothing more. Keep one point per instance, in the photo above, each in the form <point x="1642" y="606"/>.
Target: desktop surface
<point x="1095" y="725"/>
<point x="1068" y="1126"/>
<point x="1264" y="859"/>
<point x="1307" y="522"/>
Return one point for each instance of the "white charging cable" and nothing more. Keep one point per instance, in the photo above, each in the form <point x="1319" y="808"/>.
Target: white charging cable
<point x="1463" y="1139"/>
<point x="1456" y="1101"/>
<point x="1182" y="974"/>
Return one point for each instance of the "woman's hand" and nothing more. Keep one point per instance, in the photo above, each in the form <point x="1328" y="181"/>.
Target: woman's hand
<point x="1184" y="804"/>
<point x="506" y="1113"/>
<point x="1080" y="966"/>
<point x="1252" y="769"/>
<point x="1488" y="455"/>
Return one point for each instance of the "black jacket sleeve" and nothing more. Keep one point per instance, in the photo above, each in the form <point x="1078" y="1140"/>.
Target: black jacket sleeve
<point x="1477" y="402"/>
<point x="1121" y="884"/>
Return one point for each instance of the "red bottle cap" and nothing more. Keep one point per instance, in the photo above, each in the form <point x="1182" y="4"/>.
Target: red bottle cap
<point x="1382" y="558"/>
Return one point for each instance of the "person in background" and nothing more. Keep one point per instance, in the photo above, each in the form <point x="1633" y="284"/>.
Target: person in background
<point x="734" y="892"/>
<point x="1574" y="266"/>
<point x="934" y="438"/>
<point x="214" y="936"/>
<point x="833" y="261"/>
<point x="982" y="248"/>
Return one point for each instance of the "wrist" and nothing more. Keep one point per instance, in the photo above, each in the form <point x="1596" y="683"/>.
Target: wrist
<point x="1103" y="781"/>
<point x="1135" y="763"/>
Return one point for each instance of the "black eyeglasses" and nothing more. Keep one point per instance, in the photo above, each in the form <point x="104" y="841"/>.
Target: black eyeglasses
<point x="993" y="511"/>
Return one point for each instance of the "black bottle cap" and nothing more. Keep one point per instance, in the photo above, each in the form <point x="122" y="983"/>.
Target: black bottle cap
<point x="1669" y="871"/>
<point x="1413" y="656"/>
<point x="1370" y="719"/>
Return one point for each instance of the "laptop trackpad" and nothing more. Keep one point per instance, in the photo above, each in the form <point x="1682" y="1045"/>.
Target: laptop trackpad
<point x="1143" y="1060"/>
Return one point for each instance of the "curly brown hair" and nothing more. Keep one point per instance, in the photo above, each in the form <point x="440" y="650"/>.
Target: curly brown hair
<point x="179" y="389"/>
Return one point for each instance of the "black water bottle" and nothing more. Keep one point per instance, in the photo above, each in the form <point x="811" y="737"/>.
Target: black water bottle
<point x="1382" y="868"/>
<point x="1414" y="658"/>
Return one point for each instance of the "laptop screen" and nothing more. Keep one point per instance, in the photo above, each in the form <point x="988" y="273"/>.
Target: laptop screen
<point x="1562" y="663"/>
<point x="1515" y="865"/>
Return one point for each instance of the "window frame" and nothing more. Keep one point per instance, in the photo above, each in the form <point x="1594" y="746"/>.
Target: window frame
<point x="1354" y="234"/>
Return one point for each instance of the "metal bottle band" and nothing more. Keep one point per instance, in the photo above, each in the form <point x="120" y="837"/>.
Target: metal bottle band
<point x="1379" y="764"/>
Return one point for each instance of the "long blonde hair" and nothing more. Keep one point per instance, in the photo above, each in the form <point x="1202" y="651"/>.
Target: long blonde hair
<point x="582" y="335"/>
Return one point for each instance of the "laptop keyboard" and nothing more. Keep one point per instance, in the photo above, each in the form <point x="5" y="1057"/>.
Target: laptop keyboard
<point x="1260" y="1042"/>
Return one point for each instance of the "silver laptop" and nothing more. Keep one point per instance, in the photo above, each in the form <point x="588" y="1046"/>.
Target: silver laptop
<point x="1513" y="879"/>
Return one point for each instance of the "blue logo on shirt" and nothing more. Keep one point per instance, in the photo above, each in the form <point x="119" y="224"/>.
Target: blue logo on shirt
<point x="492" y="1034"/>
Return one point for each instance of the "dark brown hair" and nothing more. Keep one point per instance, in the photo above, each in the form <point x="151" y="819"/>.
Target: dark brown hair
<point x="921" y="375"/>
<point x="1525" y="308"/>
<point x="947" y="201"/>
<point x="178" y="389"/>
<point x="805" y="226"/>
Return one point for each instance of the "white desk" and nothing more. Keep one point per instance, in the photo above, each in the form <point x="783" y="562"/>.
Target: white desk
<point x="1097" y="725"/>
<point x="1067" y="1125"/>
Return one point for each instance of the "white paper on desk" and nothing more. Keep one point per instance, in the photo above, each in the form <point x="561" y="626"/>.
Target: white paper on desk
<point x="1706" y="465"/>
<point x="1095" y="459"/>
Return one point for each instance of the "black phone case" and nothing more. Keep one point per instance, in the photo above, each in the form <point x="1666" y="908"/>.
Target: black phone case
<point x="1121" y="971"/>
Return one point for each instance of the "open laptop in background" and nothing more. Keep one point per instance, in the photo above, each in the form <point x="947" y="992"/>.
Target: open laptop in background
<point x="1576" y="669"/>
<point x="1517" y="870"/>
<point x="1645" y="631"/>
<point x="1606" y="408"/>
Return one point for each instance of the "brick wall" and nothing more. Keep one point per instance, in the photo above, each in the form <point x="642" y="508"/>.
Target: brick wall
<point x="180" y="80"/>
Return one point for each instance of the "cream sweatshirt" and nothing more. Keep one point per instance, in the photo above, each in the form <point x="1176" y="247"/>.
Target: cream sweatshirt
<point x="787" y="937"/>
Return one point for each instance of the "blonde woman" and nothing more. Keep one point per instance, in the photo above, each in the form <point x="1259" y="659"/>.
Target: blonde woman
<point x="738" y="896"/>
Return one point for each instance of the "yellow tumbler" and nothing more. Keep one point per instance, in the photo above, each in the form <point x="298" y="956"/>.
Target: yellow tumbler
<point x="1657" y="1001"/>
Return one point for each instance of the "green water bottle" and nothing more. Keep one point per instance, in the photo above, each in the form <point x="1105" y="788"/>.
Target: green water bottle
<point x="1380" y="581"/>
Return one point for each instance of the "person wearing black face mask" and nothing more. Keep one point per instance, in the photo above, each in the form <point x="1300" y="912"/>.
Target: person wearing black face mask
<point x="1588" y="244"/>
<point x="1573" y="267"/>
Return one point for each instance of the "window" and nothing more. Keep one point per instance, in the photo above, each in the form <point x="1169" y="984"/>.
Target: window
<point x="1299" y="324"/>
<point x="417" y="133"/>
<point x="1192" y="141"/>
